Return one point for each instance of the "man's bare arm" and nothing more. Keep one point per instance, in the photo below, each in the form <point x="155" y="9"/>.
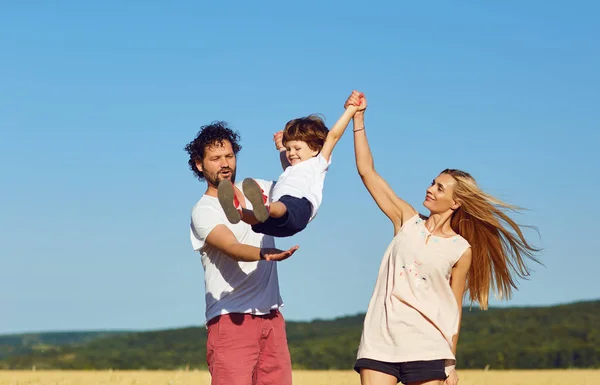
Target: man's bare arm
<point x="223" y="239"/>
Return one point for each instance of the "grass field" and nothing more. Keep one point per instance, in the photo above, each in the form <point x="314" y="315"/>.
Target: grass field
<point x="467" y="377"/>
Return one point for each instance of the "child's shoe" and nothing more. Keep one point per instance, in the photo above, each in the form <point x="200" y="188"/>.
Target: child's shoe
<point x="257" y="197"/>
<point x="229" y="201"/>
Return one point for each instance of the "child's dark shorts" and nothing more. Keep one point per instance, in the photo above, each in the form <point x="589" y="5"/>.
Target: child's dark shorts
<point x="406" y="372"/>
<point x="295" y="219"/>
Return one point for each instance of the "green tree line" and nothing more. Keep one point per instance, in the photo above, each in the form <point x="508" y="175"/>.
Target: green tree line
<point x="565" y="336"/>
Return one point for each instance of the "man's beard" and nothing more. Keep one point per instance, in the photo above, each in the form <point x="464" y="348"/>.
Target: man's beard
<point x="214" y="179"/>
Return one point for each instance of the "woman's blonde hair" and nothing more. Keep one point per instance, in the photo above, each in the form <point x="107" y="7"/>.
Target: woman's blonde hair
<point x="498" y="254"/>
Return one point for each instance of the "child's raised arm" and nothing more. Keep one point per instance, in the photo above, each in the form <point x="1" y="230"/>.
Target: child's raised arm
<point x="339" y="127"/>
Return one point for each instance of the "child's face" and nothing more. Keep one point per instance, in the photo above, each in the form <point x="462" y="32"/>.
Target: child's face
<point x="298" y="151"/>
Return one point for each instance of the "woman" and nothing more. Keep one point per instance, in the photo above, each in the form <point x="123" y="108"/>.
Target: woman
<point x="412" y="324"/>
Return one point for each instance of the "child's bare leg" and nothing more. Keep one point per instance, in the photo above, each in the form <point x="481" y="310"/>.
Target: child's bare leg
<point x="249" y="218"/>
<point x="277" y="210"/>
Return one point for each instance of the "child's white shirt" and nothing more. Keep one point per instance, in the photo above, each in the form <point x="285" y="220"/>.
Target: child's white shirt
<point x="304" y="180"/>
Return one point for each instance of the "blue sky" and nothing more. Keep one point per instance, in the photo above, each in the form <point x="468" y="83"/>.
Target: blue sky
<point x="98" y="99"/>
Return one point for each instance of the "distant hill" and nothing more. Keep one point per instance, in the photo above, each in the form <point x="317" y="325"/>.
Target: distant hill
<point x="564" y="336"/>
<point x="18" y="344"/>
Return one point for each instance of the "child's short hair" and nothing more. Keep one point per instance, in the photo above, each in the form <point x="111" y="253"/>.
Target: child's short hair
<point x="310" y="129"/>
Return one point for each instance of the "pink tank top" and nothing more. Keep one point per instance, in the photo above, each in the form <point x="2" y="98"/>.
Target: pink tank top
<point x="413" y="314"/>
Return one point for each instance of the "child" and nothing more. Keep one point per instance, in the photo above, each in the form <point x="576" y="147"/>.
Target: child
<point x="297" y="194"/>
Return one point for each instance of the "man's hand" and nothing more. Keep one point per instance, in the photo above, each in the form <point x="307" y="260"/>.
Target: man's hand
<point x="223" y="239"/>
<point x="452" y="378"/>
<point x="276" y="254"/>
<point x="278" y="140"/>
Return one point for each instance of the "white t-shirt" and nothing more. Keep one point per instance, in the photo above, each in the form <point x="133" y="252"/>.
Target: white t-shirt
<point x="304" y="180"/>
<point x="232" y="286"/>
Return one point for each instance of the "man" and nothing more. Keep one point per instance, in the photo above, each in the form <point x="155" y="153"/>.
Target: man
<point x="246" y="342"/>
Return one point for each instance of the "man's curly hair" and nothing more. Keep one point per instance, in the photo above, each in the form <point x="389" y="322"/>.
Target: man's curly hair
<point x="212" y="134"/>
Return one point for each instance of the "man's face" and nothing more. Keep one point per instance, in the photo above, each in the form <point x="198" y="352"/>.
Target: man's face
<point x="219" y="163"/>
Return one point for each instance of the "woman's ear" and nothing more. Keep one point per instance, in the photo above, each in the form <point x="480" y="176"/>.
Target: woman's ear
<point x="455" y="204"/>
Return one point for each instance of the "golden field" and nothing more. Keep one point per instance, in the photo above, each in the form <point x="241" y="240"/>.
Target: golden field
<point x="301" y="377"/>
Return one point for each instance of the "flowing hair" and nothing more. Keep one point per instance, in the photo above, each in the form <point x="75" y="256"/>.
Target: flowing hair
<point x="498" y="254"/>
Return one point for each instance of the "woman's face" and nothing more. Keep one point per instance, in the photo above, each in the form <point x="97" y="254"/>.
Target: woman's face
<point x="440" y="194"/>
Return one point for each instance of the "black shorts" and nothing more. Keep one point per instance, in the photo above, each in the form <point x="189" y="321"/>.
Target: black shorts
<point x="406" y="372"/>
<point x="295" y="219"/>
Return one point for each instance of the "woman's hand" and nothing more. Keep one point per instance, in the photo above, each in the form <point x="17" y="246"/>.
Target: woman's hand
<point x="356" y="99"/>
<point x="452" y="378"/>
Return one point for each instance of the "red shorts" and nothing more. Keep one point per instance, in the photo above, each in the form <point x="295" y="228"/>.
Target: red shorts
<point x="246" y="349"/>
